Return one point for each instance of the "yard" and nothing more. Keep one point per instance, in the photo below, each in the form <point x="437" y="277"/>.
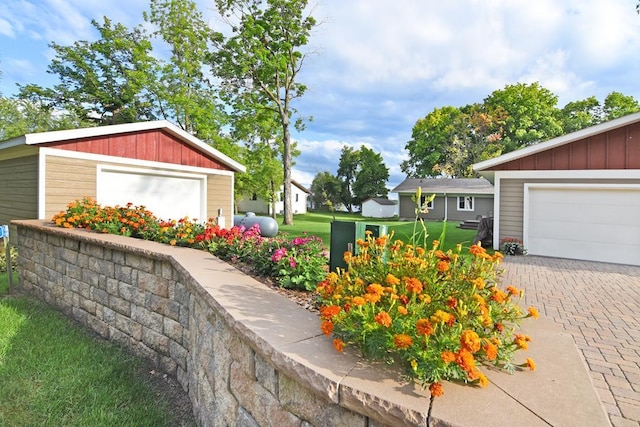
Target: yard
<point x="319" y="224"/>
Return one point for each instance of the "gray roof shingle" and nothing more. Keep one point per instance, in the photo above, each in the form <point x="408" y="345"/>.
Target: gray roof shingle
<point x="445" y="185"/>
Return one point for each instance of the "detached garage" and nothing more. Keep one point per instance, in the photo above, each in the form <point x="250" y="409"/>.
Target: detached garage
<point x="576" y="196"/>
<point x="154" y="164"/>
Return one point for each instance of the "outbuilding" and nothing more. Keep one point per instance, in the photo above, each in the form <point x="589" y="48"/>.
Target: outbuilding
<point x="379" y="207"/>
<point x="153" y="164"/>
<point x="576" y="196"/>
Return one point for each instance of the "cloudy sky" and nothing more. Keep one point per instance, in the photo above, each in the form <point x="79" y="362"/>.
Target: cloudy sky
<point x="377" y="66"/>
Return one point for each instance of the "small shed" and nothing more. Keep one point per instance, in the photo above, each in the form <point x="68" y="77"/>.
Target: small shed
<point x="456" y="199"/>
<point x="154" y="164"/>
<point x="576" y="196"/>
<point x="299" y="196"/>
<point x="378" y="207"/>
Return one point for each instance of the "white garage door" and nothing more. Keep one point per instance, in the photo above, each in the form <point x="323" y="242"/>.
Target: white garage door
<point x="167" y="195"/>
<point x="589" y="222"/>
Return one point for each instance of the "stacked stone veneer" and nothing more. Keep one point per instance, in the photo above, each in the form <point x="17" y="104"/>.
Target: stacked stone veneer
<point x="246" y="355"/>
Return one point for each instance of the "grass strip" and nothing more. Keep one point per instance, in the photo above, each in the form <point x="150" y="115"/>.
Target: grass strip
<point x="54" y="373"/>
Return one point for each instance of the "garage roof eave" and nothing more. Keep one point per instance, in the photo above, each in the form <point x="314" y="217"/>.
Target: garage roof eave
<point x="556" y="142"/>
<point x="63" y="135"/>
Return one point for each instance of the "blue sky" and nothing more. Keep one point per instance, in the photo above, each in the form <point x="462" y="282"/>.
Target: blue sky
<point x="377" y="66"/>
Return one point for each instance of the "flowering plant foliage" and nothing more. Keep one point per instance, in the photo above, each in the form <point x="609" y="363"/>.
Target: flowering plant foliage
<point x="511" y="246"/>
<point x="298" y="263"/>
<point x="439" y="314"/>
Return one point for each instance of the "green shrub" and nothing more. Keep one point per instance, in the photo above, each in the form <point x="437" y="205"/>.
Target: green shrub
<point x="3" y="259"/>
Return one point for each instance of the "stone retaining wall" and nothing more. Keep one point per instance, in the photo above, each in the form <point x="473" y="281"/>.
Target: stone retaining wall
<point x="246" y="355"/>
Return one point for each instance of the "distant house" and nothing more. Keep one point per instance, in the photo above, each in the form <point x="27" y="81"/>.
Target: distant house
<point x="457" y="199"/>
<point x="299" y="196"/>
<point x="378" y="207"/>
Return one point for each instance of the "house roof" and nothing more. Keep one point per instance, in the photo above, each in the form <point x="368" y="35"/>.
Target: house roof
<point x="99" y="131"/>
<point x="382" y="201"/>
<point x="445" y="185"/>
<point x="487" y="165"/>
<point x="300" y="186"/>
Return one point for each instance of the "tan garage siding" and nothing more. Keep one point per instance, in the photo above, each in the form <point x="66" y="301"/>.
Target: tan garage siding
<point x="219" y="196"/>
<point x="66" y="180"/>
<point x="18" y="188"/>
<point x="512" y="200"/>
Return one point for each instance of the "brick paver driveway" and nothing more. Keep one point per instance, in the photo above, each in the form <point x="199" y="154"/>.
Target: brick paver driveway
<point x="599" y="304"/>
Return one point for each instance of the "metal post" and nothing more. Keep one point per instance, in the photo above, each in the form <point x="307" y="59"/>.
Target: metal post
<point x="4" y="233"/>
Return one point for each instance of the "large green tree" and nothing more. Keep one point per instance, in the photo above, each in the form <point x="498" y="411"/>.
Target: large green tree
<point x="617" y="105"/>
<point x="531" y="114"/>
<point x="21" y="116"/>
<point x="362" y="174"/>
<point x="260" y="64"/>
<point x="325" y="191"/>
<point x="104" y="80"/>
<point x="183" y="91"/>
<point x="371" y="178"/>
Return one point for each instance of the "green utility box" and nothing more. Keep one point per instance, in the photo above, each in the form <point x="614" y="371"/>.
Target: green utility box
<point x="344" y="235"/>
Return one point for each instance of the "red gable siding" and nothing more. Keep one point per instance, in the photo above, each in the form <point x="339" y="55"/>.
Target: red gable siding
<point x="153" y="145"/>
<point x="616" y="149"/>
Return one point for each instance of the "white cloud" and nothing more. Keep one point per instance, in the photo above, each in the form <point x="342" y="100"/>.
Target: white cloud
<point x="6" y="29"/>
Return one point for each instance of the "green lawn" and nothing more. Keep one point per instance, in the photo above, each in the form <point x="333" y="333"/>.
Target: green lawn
<point x="54" y="373"/>
<point x="319" y="224"/>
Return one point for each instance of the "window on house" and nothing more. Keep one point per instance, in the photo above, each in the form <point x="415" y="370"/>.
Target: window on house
<point x="297" y="197"/>
<point x="423" y="199"/>
<point x="465" y="203"/>
<point x="254" y="197"/>
<point x="282" y="197"/>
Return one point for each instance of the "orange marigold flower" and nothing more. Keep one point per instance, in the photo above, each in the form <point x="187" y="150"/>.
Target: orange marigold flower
<point x="521" y="341"/>
<point x="530" y="364"/>
<point x="338" y="344"/>
<point x="498" y="296"/>
<point x="347" y="256"/>
<point x="424" y="327"/>
<point x="448" y="356"/>
<point x="443" y="266"/>
<point x="478" y="282"/>
<point x="327" y="327"/>
<point x="424" y="298"/>
<point x="469" y="340"/>
<point x="452" y="302"/>
<point x="404" y="299"/>
<point x="420" y="251"/>
<point x="375" y="288"/>
<point x="328" y="312"/>
<point x="441" y="255"/>
<point x="333" y="278"/>
<point x="533" y="312"/>
<point x="383" y="319"/>
<point x="402" y="341"/>
<point x="358" y="301"/>
<point x="513" y="290"/>
<point x="490" y="351"/>
<point x="402" y="310"/>
<point x="372" y="298"/>
<point x="392" y="280"/>
<point x="466" y="361"/>
<point x="360" y="242"/>
<point x="482" y="380"/>
<point x="381" y="241"/>
<point x="476" y="250"/>
<point x="499" y="327"/>
<point x="440" y="317"/>
<point x="413" y="285"/>
<point x="497" y="257"/>
<point x="436" y="390"/>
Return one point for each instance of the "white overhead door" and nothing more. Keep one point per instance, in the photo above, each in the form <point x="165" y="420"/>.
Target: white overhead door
<point x="589" y="222"/>
<point x="168" y="195"/>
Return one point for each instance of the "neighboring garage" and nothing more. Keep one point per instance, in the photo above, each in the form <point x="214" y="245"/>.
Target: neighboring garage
<point x="154" y="164"/>
<point x="576" y="196"/>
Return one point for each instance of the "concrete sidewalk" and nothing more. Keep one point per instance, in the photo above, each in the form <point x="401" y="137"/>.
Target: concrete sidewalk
<point x="599" y="305"/>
